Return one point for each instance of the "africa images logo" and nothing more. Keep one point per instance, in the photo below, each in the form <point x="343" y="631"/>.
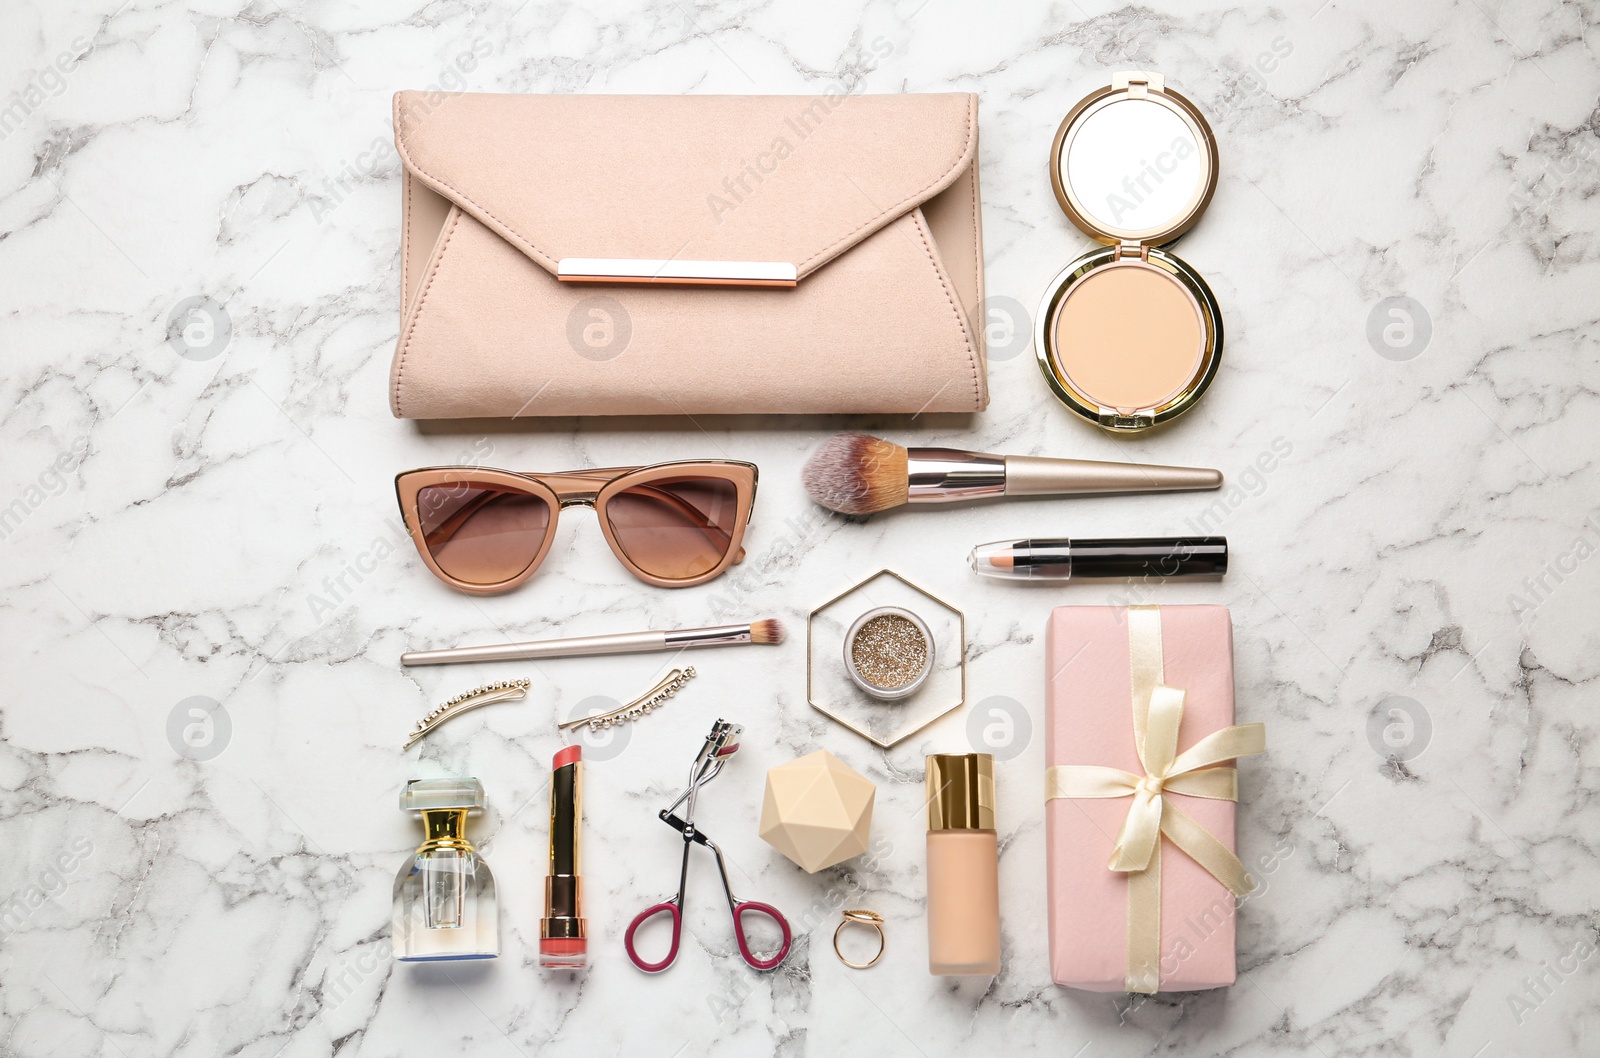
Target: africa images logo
<point x="1138" y="188"/>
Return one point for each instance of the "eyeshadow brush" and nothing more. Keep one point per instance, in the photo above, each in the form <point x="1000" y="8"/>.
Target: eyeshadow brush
<point x="854" y="473"/>
<point x="766" y="631"/>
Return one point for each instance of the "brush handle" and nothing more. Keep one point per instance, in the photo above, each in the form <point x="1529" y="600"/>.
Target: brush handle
<point x="1043" y="476"/>
<point x="581" y="646"/>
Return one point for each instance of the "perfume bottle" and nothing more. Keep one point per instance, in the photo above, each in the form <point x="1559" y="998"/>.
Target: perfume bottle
<point x="444" y="902"/>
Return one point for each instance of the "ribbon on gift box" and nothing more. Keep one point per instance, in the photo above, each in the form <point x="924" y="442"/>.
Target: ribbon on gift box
<point x="1157" y="713"/>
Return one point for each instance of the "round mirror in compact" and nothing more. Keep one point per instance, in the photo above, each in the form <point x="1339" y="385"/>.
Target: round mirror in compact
<point x="1129" y="335"/>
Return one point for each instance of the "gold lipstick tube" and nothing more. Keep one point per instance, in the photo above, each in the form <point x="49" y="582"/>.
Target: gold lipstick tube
<point x="563" y="934"/>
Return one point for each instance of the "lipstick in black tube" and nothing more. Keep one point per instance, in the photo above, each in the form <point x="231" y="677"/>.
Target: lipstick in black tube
<point x="563" y="934"/>
<point x="1062" y="559"/>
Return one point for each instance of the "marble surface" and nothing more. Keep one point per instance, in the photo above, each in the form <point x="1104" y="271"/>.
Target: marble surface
<point x="1413" y="514"/>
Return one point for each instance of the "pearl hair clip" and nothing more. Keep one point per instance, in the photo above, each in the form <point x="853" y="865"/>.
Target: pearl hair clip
<point x="488" y="694"/>
<point x="647" y="702"/>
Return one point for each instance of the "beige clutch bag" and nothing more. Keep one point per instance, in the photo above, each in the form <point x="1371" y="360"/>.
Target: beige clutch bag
<point x="633" y="255"/>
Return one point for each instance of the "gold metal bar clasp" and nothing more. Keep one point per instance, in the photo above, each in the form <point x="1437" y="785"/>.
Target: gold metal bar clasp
<point x="649" y="270"/>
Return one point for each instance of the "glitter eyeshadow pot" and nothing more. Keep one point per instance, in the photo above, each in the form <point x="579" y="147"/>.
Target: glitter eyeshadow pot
<point x="888" y="652"/>
<point x="1129" y="335"/>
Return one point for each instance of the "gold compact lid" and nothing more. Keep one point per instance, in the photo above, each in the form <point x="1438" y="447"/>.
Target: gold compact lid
<point x="1134" y="162"/>
<point x="960" y="789"/>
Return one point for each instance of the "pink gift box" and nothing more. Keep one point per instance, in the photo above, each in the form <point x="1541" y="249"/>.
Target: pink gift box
<point x="1088" y="720"/>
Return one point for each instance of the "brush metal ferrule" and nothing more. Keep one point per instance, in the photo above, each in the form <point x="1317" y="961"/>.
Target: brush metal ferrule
<point x="709" y="637"/>
<point x="951" y="475"/>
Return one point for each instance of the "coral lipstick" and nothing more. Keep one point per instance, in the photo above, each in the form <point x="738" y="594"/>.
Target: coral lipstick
<point x="563" y="934"/>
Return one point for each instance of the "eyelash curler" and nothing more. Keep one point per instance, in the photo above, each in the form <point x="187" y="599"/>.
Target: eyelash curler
<point x="722" y="743"/>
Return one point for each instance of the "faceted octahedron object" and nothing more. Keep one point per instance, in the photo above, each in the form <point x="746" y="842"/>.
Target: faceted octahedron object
<point x="817" y="810"/>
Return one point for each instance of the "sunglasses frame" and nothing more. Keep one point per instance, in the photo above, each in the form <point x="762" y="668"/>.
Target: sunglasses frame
<point x="578" y="488"/>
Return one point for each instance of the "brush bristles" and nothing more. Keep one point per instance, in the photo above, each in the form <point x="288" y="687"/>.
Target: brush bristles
<point x="855" y="473"/>
<point x="766" y="631"/>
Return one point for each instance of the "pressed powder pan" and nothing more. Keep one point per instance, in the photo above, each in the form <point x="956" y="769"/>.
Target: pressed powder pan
<point x="1129" y="335"/>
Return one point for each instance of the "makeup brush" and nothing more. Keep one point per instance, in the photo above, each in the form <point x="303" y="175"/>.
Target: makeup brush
<point x="766" y="631"/>
<point x="854" y="473"/>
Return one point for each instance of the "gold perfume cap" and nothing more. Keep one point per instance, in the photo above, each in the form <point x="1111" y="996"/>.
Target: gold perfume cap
<point x="960" y="791"/>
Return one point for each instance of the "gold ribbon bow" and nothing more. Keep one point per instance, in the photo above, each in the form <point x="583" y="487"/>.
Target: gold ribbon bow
<point x="1157" y="713"/>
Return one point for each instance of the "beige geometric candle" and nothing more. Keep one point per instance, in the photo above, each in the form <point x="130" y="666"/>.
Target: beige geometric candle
<point x="817" y="810"/>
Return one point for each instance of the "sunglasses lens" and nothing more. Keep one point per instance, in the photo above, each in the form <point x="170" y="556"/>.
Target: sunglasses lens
<point x="675" y="528"/>
<point x="481" y="533"/>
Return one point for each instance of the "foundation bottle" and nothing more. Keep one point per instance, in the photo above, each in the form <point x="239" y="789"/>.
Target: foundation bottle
<point x="963" y="866"/>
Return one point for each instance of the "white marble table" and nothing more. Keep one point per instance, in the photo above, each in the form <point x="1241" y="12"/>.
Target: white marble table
<point x="221" y="525"/>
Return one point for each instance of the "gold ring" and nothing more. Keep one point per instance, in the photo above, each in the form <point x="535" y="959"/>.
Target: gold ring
<point x="866" y="918"/>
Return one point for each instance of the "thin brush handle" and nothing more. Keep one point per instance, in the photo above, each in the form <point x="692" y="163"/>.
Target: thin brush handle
<point x="584" y="646"/>
<point x="1043" y="476"/>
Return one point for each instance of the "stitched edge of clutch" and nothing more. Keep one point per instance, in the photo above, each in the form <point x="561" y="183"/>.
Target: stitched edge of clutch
<point x="435" y="263"/>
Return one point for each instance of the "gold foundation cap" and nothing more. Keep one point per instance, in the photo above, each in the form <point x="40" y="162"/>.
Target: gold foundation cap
<point x="960" y="789"/>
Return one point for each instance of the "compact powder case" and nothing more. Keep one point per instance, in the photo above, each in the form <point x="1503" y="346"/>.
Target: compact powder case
<point x="1129" y="335"/>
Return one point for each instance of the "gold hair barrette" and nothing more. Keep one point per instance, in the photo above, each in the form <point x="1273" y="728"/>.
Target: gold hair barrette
<point x="489" y="693"/>
<point x="670" y="684"/>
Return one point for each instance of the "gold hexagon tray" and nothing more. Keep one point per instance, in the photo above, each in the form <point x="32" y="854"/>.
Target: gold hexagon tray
<point x="913" y="713"/>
